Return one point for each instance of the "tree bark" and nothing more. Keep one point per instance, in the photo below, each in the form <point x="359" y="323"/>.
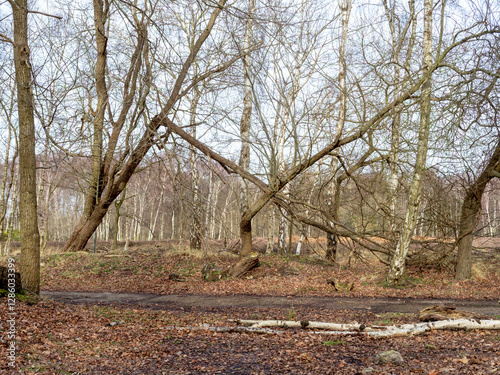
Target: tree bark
<point x="30" y="236"/>
<point x="195" y="233"/>
<point x="396" y="122"/>
<point x="398" y="261"/>
<point x="471" y="207"/>
<point x="471" y="211"/>
<point x="334" y="198"/>
<point x="101" y="14"/>
<point x="244" y="265"/>
<point x="245" y="122"/>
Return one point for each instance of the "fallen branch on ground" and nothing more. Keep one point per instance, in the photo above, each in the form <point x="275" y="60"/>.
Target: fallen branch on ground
<point x="227" y="329"/>
<point x="447" y="312"/>
<point x="376" y="331"/>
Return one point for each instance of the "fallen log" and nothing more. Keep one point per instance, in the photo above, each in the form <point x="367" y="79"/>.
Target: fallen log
<point x="245" y="265"/>
<point x="446" y="312"/>
<point x="303" y="324"/>
<point x="227" y="329"/>
<point x="376" y="331"/>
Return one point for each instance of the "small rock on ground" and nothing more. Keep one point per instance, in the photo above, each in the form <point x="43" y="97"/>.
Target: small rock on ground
<point x="389" y="356"/>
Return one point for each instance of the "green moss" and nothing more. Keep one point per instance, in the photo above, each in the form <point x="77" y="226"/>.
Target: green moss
<point x="333" y="342"/>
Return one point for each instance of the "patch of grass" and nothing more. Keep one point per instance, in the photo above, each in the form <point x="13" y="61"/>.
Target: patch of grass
<point x="406" y="282"/>
<point x="333" y="343"/>
<point x="388" y="318"/>
<point x="103" y="311"/>
<point x="430" y="346"/>
<point x="21" y="296"/>
<point x="291" y="314"/>
<point x="28" y="298"/>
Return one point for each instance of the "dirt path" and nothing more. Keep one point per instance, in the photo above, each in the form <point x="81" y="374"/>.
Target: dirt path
<point x="188" y="301"/>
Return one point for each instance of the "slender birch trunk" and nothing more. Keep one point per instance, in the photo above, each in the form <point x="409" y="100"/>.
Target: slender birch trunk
<point x="396" y="123"/>
<point x="397" y="266"/>
<point x="334" y="195"/>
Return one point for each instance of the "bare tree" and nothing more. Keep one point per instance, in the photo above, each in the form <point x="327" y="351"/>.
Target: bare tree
<point x="397" y="267"/>
<point x="116" y="174"/>
<point x="30" y="237"/>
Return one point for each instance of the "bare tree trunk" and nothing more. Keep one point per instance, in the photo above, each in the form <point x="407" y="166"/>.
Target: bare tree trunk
<point x="471" y="212"/>
<point x="3" y="190"/>
<point x="282" y="230"/>
<point x="101" y="15"/>
<point x="214" y="209"/>
<point x="334" y="199"/>
<point x="245" y="123"/>
<point x="195" y="237"/>
<point x="223" y="221"/>
<point x="30" y="237"/>
<point x="270" y="230"/>
<point x="118" y="205"/>
<point x="397" y="266"/>
<point x="10" y="222"/>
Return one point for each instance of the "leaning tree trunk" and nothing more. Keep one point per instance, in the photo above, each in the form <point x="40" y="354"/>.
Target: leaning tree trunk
<point x="30" y="237"/>
<point x="398" y="261"/>
<point x="471" y="207"/>
<point x="471" y="211"/>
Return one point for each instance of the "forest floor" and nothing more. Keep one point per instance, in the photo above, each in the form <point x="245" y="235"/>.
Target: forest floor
<point x="139" y="331"/>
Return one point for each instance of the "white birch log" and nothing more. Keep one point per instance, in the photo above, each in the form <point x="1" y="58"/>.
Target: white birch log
<point x="376" y="331"/>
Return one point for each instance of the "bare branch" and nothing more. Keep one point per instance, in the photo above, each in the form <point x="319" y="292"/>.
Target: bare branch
<point x="45" y="14"/>
<point x="5" y="38"/>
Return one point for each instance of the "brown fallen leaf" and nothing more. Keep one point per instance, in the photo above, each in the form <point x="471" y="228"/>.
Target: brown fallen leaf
<point x="463" y="360"/>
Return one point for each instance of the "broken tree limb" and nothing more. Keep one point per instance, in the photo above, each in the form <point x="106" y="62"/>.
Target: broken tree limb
<point x="446" y="312"/>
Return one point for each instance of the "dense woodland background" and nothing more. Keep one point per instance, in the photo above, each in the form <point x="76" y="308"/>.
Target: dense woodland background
<point x="374" y="121"/>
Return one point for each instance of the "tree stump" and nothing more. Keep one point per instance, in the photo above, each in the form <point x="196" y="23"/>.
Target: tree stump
<point x="245" y="265"/>
<point x="447" y="312"/>
<point x="4" y="279"/>
<point x="339" y="287"/>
